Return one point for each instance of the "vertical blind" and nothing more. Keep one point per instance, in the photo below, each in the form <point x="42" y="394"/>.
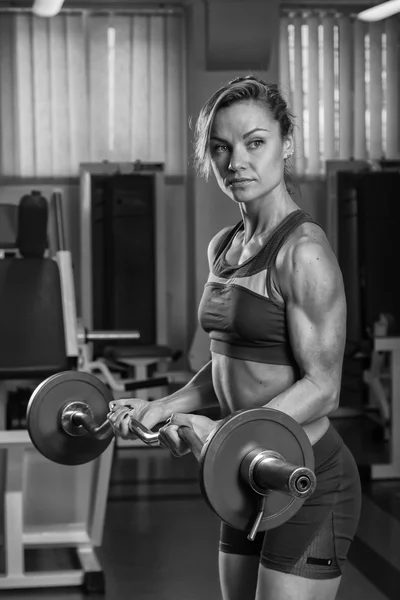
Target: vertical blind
<point x="84" y="87"/>
<point x="341" y="78"/>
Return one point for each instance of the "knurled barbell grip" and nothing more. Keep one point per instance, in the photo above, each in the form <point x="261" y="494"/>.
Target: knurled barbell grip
<point x="185" y="433"/>
<point x="77" y="415"/>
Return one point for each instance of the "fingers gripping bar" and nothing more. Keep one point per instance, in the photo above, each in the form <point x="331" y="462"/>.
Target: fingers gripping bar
<point x="76" y="419"/>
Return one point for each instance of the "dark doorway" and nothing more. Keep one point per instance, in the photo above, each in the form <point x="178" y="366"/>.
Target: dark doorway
<point x="369" y="219"/>
<point x="123" y="254"/>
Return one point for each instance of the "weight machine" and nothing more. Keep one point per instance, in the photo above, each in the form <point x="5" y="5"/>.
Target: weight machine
<point x="41" y="336"/>
<point x="362" y="227"/>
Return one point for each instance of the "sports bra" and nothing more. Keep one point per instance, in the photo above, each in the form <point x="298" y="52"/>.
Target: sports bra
<point x="237" y="309"/>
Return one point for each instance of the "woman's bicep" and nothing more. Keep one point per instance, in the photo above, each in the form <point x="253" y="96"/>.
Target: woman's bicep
<point x="316" y="314"/>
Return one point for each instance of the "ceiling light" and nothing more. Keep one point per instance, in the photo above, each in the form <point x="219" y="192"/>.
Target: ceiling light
<point x="47" y="8"/>
<point x="381" y="11"/>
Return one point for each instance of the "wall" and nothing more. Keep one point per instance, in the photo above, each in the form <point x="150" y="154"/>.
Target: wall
<point x="196" y="209"/>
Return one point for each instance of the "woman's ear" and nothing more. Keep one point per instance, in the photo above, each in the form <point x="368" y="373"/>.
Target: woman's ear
<point x="288" y="147"/>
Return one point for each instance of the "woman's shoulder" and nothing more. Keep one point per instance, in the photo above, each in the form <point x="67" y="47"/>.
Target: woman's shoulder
<point x="309" y="231"/>
<point x="308" y="241"/>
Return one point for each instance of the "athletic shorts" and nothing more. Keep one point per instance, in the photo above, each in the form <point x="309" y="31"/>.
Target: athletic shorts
<point x="315" y="542"/>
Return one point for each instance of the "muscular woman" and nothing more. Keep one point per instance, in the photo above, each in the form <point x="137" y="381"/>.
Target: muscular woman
<point x="275" y="310"/>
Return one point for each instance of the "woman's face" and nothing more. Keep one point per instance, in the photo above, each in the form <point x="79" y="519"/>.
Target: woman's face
<point x="247" y="151"/>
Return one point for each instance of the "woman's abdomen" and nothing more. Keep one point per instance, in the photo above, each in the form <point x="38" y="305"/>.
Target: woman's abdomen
<point x="241" y="384"/>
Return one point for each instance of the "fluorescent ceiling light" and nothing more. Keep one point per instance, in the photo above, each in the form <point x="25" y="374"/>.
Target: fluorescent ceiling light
<point x="47" y="8"/>
<point x="381" y="11"/>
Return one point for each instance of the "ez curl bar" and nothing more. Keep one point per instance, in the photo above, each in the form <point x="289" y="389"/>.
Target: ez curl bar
<point x="255" y="471"/>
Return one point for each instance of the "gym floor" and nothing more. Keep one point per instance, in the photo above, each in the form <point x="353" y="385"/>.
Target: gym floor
<point x="161" y="539"/>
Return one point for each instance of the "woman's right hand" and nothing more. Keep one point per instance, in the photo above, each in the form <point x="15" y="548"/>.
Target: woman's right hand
<point x="121" y="411"/>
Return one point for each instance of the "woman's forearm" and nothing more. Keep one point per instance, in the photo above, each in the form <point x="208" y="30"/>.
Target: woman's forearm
<point x="305" y="401"/>
<point x="197" y="394"/>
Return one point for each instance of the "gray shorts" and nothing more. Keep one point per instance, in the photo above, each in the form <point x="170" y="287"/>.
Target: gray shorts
<point x="315" y="542"/>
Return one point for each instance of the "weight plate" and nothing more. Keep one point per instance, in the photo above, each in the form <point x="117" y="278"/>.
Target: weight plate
<point x="222" y="485"/>
<point x="44" y="417"/>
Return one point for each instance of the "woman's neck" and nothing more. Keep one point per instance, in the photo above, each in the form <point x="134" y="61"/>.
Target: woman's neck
<point x="260" y="219"/>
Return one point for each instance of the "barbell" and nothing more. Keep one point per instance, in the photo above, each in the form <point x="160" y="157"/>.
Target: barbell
<point x="255" y="470"/>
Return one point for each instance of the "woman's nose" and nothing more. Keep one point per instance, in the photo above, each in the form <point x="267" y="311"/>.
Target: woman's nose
<point x="237" y="160"/>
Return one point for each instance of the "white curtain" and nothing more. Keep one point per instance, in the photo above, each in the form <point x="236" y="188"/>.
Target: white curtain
<point x="341" y="78"/>
<point x="84" y="87"/>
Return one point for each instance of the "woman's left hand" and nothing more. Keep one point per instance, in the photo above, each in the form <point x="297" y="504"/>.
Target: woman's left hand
<point x="169" y="437"/>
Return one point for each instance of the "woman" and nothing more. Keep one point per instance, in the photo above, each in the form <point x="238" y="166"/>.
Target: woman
<point x="275" y="310"/>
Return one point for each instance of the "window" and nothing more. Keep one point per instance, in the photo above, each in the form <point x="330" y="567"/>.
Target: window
<point x="89" y="87"/>
<point x="341" y="79"/>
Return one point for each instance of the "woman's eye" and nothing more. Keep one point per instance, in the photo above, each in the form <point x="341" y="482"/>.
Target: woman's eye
<point x="256" y="143"/>
<point x="219" y="149"/>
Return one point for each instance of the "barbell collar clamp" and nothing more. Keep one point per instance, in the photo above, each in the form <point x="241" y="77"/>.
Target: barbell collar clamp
<point x="266" y="470"/>
<point x="69" y="418"/>
<point x="77" y="419"/>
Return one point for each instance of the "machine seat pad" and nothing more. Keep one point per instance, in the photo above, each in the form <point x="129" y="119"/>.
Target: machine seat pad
<point x="32" y="340"/>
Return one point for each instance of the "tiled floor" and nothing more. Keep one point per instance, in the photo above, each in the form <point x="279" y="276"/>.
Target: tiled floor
<point x="160" y="539"/>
